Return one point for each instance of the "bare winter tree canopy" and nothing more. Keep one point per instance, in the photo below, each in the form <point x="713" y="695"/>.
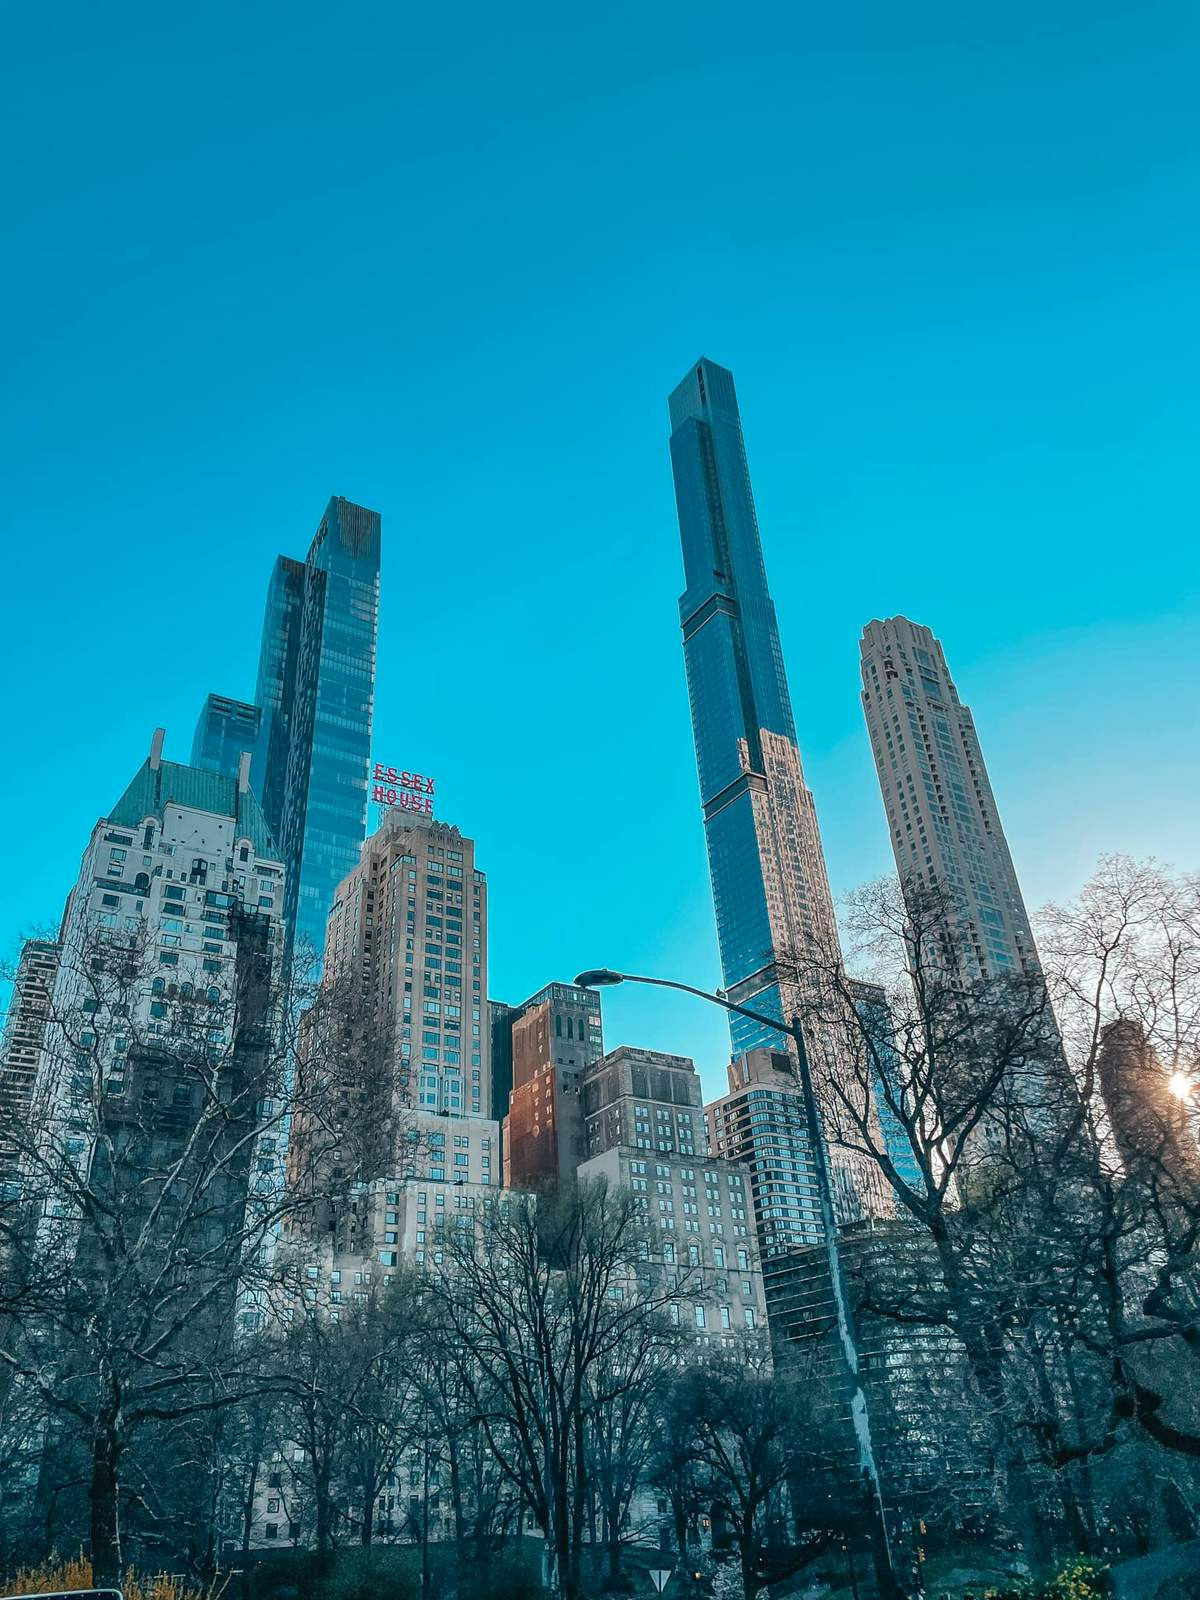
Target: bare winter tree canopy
<point x="179" y="1346"/>
<point x="1037" y="1134"/>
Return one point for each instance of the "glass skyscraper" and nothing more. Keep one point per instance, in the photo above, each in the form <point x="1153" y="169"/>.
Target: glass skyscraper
<point x="316" y="688"/>
<point x="275" y="691"/>
<point x="309" y="730"/>
<point x="225" y="730"/>
<point x="770" y="887"/>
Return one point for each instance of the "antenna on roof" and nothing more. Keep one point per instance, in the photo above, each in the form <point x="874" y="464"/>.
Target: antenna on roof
<point x="156" y="745"/>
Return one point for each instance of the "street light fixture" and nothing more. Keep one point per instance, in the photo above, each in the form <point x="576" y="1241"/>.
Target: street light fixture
<point x="605" y="978"/>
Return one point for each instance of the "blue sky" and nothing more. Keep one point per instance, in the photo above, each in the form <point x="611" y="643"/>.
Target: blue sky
<point x="449" y="264"/>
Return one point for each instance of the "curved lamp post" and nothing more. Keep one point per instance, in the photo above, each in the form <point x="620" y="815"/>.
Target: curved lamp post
<point x="889" y="1587"/>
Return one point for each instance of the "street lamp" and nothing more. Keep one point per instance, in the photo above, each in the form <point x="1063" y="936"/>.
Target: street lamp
<point x="604" y="978"/>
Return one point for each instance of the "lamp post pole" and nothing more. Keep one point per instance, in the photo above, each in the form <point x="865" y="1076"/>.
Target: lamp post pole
<point x="889" y="1586"/>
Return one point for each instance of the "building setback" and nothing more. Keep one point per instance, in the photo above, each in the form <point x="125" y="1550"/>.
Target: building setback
<point x="770" y="889"/>
<point x="556" y="1037"/>
<point x="942" y="818"/>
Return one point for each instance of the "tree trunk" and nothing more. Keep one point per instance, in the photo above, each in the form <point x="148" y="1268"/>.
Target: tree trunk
<point x="104" y="1502"/>
<point x="248" y="1503"/>
<point x="580" y="1501"/>
<point x="1085" y="1484"/>
<point x="321" y="1501"/>
<point x="370" y="1495"/>
<point x="568" y="1577"/>
<point x="748" y="1554"/>
<point x="613" y="1521"/>
<point x="679" y="1507"/>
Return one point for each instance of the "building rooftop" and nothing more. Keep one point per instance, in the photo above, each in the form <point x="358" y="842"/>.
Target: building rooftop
<point x="162" y="783"/>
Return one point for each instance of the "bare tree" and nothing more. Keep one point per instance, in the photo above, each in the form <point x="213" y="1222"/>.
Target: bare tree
<point x="148" y="1199"/>
<point x="951" y="1088"/>
<point x="747" y="1445"/>
<point x="672" y="1466"/>
<point x="538" y="1300"/>
<point x="1060" y="1257"/>
<point x="350" y="1404"/>
<point x="484" y="1503"/>
<point x="1123" y="967"/>
<point x="622" y="1404"/>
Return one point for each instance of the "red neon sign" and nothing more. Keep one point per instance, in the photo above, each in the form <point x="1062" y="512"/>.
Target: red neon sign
<point x="407" y="791"/>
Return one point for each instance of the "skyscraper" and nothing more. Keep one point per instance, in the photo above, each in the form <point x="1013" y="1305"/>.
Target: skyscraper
<point x="401" y="1024"/>
<point x="314" y="702"/>
<point x="316" y="687"/>
<point x="24" y="1033"/>
<point x="407" y="930"/>
<point x="225" y="730"/>
<point x="1153" y="1127"/>
<point x="761" y="1122"/>
<point x="556" y="1037"/>
<point x="770" y="886"/>
<point x="764" y="849"/>
<point x="942" y="818"/>
<point x="183" y="884"/>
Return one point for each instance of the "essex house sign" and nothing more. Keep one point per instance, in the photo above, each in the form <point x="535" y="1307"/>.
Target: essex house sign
<point x="401" y="791"/>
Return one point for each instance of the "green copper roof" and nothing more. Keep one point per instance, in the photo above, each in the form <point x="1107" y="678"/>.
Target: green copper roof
<point x="170" y="783"/>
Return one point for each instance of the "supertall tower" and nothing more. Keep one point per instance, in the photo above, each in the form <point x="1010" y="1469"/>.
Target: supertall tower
<point x="942" y="818"/>
<point x="764" y="849"/>
<point x="774" y="909"/>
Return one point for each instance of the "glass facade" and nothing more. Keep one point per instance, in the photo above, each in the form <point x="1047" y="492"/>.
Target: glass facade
<point x="309" y="729"/>
<point x="225" y="730"/>
<point x="771" y="895"/>
<point x="317" y="683"/>
<point x="275" y="691"/>
<point x="769" y="888"/>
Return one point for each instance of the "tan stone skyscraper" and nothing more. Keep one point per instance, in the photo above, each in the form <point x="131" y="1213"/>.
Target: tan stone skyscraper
<point x="405" y="980"/>
<point x="942" y="817"/>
